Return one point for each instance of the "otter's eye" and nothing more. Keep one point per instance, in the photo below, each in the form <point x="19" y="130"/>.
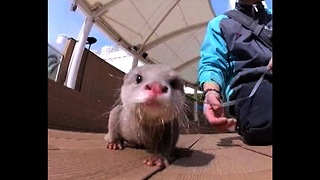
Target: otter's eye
<point x="175" y="83"/>
<point x="138" y="79"/>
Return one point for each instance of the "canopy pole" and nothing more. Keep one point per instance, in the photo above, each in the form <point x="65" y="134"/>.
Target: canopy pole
<point x="232" y="4"/>
<point x="78" y="52"/>
<point x="134" y="61"/>
<point x="159" y="23"/>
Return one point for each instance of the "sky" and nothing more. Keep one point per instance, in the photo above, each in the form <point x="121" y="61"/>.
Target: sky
<point x="63" y="21"/>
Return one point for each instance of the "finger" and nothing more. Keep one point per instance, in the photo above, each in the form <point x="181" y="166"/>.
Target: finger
<point x="214" y="121"/>
<point x="213" y="113"/>
<point x="224" y="127"/>
<point x="216" y="108"/>
<point x="231" y="122"/>
<point x="213" y="99"/>
<point x="215" y="117"/>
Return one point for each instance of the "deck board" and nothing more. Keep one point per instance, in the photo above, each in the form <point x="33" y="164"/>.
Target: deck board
<point x="80" y="155"/>
<point x="214" y="159"/>
<point x="234" y="139"/>
<point x="77" y="155"/>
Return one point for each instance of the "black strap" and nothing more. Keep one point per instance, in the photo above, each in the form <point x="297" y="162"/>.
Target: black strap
<point x="258" y="30"/>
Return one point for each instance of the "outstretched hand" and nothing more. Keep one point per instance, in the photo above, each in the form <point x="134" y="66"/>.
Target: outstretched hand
<point x="215" y="113"/>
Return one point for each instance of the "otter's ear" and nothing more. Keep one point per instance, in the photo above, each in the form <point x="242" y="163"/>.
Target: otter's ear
<point x="128" y="76"/>
<point x="125" y="76"/>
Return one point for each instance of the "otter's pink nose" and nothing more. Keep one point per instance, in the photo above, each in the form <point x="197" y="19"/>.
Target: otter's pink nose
<point x="156" y="88"/>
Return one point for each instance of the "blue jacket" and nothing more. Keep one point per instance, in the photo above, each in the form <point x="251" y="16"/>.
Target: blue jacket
<point x="231" y="56"/>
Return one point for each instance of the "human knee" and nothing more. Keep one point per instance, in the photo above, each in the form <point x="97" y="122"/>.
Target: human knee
<point x="258" y="135"/>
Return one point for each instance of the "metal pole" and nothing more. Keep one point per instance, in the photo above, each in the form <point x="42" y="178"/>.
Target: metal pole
<point x="134" y="61"/>
<point x="265" y="4"/>
<point x="78" y="52"/>
<point x="232" y="4"/>
<point x="157" y="26"/>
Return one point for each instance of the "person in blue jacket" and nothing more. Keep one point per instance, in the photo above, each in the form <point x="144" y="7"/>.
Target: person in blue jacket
<point x="232" y="60"/>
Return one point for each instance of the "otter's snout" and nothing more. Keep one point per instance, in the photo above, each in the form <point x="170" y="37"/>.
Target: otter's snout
<point x="156" y="88"/>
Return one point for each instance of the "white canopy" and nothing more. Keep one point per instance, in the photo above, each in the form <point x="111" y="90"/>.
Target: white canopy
<point x="169" y="32"/>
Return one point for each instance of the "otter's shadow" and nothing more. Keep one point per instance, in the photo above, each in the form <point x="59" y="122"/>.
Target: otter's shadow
<point x="196" y="158"/>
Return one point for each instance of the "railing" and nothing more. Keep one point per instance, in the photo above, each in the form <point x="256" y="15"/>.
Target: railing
<point x="54" y="61"/>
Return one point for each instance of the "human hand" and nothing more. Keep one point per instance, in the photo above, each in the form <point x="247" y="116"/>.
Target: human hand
<point x="270" y="64"/>
<point x="214" y="112"/>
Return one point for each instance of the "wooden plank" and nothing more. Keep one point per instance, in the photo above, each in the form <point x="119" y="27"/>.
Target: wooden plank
<point x="233" y="139"/>
<point x="187" y="140"/>
<point x="74" y="135"/>
<point x="224" y="140"/>
<point x="97" y="164"/>
<point x="63" y="143"/>
<point x="211" y="160"/>
<point x="52" y="147"/>
<point x="79" y="155"/>
<point x="208" y="142"/>
<point x="64" y="140"/>
<point x="70" y="140"/>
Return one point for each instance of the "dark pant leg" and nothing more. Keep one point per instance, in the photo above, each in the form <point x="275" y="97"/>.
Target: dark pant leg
<point x="254" y="115"/>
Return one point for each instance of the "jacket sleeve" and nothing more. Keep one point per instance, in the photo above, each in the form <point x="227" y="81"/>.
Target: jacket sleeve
<point x="213" y="55"/>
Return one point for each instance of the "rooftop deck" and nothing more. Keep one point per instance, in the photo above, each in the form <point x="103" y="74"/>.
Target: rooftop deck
<point x="79" y="155"/>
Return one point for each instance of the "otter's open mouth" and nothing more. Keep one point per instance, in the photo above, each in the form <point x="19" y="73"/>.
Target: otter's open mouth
<point x="152" y="103"/>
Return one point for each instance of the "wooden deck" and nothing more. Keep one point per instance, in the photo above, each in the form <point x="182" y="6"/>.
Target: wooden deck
<point x="80" y="155"/>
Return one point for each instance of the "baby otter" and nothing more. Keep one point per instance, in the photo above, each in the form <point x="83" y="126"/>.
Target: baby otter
<point x="152" y="105"/>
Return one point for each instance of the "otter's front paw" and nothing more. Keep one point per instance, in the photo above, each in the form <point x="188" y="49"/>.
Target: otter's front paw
<point x="156" y="160"/>
<point x="115" y="146"/>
